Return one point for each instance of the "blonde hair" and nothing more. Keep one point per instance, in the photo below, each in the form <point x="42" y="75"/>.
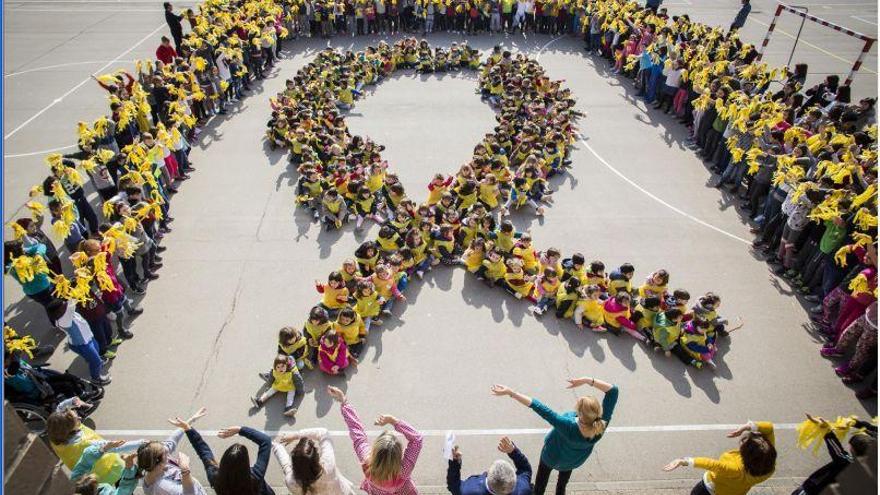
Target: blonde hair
<point x="386" y="455"/>
<point x="589" y="412"/>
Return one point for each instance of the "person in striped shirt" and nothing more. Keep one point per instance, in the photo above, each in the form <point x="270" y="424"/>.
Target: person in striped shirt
<point x="387" y="464"/>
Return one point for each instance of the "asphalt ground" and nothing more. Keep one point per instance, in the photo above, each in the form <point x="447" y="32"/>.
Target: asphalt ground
<point x="241" y="261"/>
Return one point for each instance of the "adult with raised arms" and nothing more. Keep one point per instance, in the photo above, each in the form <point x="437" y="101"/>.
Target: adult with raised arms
<point x="574" y="434"/>
<point x="310" y="467"/>
<point x="736" y="471"/>
<point x="387" y="464"/>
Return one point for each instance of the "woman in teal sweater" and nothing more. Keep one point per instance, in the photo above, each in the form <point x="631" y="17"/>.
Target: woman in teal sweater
<point x="574" y="434"/>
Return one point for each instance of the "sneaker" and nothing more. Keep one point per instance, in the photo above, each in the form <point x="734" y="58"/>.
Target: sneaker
<point x="842" y="370"/>
<point x="377" y="322"/>
<point x="161" y="249"/>
<point x="830" y="352"/>
<point x="290" y="411"/>
<point x="420" y="274"/>
<point x="115" y="342"/>
<point x="135" y="311"/>
<point x="152" y="276"/>
<point x="103" y="379"/>
<point x="386" y="312"/>
<point x="139" y="290"/>
<point x="812" y="298"/>
<point x="109" y="354"/>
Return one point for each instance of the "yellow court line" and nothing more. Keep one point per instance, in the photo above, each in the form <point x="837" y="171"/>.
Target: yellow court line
<point x="826" y="52"/>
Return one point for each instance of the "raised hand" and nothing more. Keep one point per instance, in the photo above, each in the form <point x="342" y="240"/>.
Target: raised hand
<point x="229" y="432"/>
<point x="337" y="394"/>
<point x="501" y="390"/>
<point x="506" y="445"/>
<point x="385" y="419"/>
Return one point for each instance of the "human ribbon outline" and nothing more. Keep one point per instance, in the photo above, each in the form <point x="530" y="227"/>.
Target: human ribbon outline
<point x="464" y="213"/>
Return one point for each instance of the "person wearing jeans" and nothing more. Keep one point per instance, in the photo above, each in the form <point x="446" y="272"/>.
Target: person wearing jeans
<point x="63" y="315"/>
<point x="575" y="433"/>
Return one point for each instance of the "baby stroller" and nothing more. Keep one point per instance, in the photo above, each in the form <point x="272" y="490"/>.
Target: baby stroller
<point x="35" y="391"/>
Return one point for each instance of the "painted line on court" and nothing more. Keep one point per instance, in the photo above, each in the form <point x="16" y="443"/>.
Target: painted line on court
<point x="32" y="153"/>
<point x="863" y="20"/>
<point x="541" y="50"/>
<point x="660" y="200"/>
<point x="81" y="84"/>
<point x="73" y="11"/>
<point x="819" y="48"/>
<point x="67" y="64"/>
<point x="473" y="433"/>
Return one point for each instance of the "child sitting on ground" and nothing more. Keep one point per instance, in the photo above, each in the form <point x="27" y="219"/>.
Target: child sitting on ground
<point x="666" y="331"/>
<point x="621" y="279"/>
<point x="351" y="328"/>
<point x="368" y="303"/>
<point x="291" y="342"/>
<point x="590" y="307"/>
<point x="644" y="313"/>
<point x="335" y="294"/>
<point x="617" y="316"/>
<point x="695" y="346"/>
<point x="333" y="355"/>
<point x="286" y="379"/>
<point x="546" y="286"/>
<point x="317" y="324"/>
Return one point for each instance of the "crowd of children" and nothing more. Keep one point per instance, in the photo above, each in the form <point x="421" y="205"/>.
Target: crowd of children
<point x="327" y="18"/>
<point x="463" y="221"/>
<point x="135" y="157"/>
<point x="801" y="162"/>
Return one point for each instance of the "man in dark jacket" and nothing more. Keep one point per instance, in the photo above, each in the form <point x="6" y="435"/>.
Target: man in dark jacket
<point x="501" y="479"/>
<point x="174" y="25"/>
<point x="860" y="444"/>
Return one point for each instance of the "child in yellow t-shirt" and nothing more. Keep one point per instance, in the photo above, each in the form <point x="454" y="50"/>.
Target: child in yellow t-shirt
<point x="589" y="308"/>
<point x="286" y="379"/>
<point x="351" y="327"/>
<point x="546" y="287"/>
<point x="335" y="294"/>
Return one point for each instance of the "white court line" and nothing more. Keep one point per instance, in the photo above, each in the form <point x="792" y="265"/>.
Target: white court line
<point x="472" y="433"/>
<point x="84" y="81"/>
<point x="32" y="153"/>
<point x="115" y="2"/>
<point x="540" y="50"/>
<point x="73" y="11"/>
<point x="68" y="64"/>
<point x="863" y="20"/>
<point x="642" y="189"/>
<point x="661" y="201"/>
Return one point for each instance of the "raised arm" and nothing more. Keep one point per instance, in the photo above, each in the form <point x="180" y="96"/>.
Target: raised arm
<point x="264" y="444"/>
<point x="353" y="422"/>
<point x="283" y="458"/>
<point x="413" y="446"/>
<point x="453" y="473"/>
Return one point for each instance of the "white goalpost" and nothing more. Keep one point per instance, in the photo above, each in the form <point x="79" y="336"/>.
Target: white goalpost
<point x="869" y="41"/>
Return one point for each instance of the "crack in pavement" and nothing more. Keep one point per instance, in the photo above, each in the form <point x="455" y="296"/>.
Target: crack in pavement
<point x="215" y="346"/>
